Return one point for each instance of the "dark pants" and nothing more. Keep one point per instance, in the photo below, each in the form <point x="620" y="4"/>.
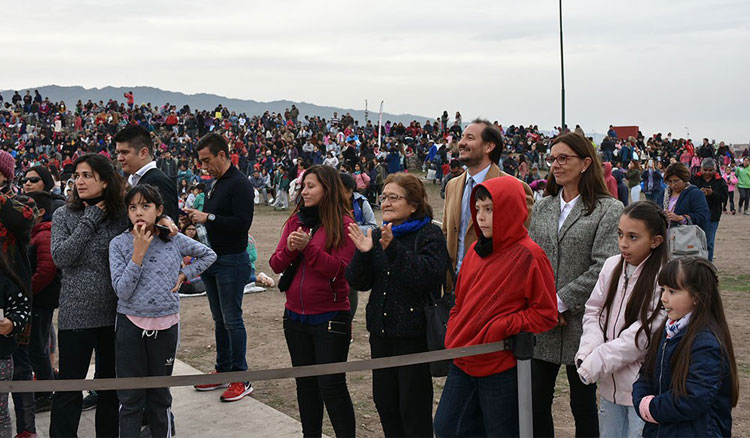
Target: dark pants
<point x="478" y="406"/>
<point x="729" y="199"/>
<point x="402" y="395"/>
<point x="318" y="344"/>
<point x="744" y="199"/>
<point x="225" y="282"/>
<point x="41" y="323"/>
<point x="75" y="347"/>
<point x="142" y="353"/>
<point x="582" y="400"/>
<point x="24" y="401"/>
<point x="353" y="301"/>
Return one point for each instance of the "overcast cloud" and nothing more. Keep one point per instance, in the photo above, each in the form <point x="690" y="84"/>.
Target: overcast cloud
<point x="664" y="65"/>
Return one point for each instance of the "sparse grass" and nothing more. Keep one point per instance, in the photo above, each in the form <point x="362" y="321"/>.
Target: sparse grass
<point x="734" y="282"/>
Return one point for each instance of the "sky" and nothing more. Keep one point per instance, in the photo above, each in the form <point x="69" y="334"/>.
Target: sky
<point x="667" y="66"/>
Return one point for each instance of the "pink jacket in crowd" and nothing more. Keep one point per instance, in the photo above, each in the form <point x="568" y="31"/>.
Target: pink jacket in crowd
<point x="614" y="364"/>
<point x="731" y="180"/>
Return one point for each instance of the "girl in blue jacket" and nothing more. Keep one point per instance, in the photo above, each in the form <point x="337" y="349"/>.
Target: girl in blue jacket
<point x="688" y="384"/>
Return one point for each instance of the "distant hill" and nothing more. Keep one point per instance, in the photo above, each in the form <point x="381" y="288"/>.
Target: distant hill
<point x="70" y="96"/>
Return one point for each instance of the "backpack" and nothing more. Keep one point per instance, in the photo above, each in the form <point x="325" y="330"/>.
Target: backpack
<point x="687" y="240"/>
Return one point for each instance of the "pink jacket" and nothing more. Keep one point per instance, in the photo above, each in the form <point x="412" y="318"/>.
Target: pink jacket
<point x="615" y="363"/>
<point x="319" y="285"/>
<point x="731" y="180"/>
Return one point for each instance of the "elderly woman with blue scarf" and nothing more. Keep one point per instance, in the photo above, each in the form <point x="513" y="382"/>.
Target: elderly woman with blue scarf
<point x="403" y="262"/>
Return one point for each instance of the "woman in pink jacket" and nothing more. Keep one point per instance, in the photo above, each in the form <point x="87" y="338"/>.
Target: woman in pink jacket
<point x="313" y="253"/>
<point x="621" y="314"/>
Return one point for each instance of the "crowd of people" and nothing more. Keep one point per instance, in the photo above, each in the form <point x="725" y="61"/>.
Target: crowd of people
<point x="108" y="210"/>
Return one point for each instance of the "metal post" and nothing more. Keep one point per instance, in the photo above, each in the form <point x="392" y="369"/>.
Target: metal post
<point x="380" y="124"/>
<point x="523" y="350"/>
<point x="562" y="70"/>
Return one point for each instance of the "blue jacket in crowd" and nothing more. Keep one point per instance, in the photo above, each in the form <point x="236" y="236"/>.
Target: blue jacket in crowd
<point x="692" y="202"/>
<point x="706" y="410"/>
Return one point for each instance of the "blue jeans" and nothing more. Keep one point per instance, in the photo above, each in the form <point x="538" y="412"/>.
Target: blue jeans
<point x="710" y="230"/>
<point x="225" y="282"/>
<point x="618" y="420"/>
<point x="478" y="406"/>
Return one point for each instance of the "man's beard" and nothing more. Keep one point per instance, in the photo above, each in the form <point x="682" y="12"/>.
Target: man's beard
<point x="470" y="161"/>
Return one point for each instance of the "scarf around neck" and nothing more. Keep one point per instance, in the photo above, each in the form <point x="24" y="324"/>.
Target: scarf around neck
<point x="409" y="226"/>
<point x="309" y="216"/>
<point x="483" y="247"/>
<point x="674" y="328"/>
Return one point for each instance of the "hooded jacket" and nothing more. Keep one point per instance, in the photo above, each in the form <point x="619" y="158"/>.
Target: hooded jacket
<point x="319" y="284"/>
<point x="510" y="290"/>
<point x="614" y="361"/>
<point x="609" y="179"/>
<point x="691" y="202"/>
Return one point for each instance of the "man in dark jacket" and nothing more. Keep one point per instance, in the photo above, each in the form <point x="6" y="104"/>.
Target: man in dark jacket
<point x="135" y="153"/>
<point x="716" y="191"/>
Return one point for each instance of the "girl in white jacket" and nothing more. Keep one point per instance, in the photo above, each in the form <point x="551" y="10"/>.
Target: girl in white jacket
<point x="621" y="314"/>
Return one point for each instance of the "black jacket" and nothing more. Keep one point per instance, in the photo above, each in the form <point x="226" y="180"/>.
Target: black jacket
<point x="231" y="200"/>
<point x="167" y="189"/>
<point x="401" y="278"/>
<point x="716" y="199"/>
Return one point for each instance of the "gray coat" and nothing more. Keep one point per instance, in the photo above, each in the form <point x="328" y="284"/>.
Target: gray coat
<point x="577" y="253"/>
<point x="80" y="248"/>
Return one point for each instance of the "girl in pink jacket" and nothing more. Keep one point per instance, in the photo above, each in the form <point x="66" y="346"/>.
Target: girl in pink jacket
<point x="731" y="179"/>
<point x="621" y="315"/>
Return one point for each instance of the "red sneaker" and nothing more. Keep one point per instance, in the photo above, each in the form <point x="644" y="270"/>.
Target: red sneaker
<point x="236" y="391"/>
<point x="211" y="386"/>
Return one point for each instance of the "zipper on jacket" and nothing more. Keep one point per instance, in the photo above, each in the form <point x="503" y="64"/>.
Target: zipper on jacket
<point x="301" y="302"/>
<point x="619" y="311"/>
<point x="661" y="373"/>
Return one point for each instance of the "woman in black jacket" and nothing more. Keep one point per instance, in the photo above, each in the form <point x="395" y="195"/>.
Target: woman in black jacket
<point x="403" y="263"/>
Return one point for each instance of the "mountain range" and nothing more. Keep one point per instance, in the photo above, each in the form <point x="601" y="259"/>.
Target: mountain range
<point x="202" y="101"/>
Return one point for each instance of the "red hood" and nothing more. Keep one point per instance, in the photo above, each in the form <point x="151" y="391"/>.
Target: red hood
<point x="509" y="210"/>
<point x="607" y="168"/>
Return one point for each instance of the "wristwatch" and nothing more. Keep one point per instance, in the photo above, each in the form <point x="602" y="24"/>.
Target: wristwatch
<point x="211" y="217"/>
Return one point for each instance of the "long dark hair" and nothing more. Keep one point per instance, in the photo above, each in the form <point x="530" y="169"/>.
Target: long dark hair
<point x="103" y="169"/>
<point x="591" y="185"/>
<point x="700" y="278"/>
<point x="639" y="304"/>
<point x="333" y="206"/>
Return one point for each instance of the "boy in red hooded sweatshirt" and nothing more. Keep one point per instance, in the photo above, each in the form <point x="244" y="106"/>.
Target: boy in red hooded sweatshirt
<point x="506" y="286"/>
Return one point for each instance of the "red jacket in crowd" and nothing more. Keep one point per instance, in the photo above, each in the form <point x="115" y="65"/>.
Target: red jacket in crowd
<point x="504" y="292"/>
<point x="45" y="268"/>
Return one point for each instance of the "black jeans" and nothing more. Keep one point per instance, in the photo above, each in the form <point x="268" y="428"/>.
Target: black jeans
<point x="142" y="353"/>
<point x="41" y="323"/>
<point x="582" y="400"/>
<point x="318" y="344"/>
<point x="23" y="401"/>
<point x="402" y="395"/>
<point x="75" y="347"/>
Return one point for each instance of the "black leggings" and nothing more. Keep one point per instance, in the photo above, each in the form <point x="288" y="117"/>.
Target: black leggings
<point x="318" y="344"/>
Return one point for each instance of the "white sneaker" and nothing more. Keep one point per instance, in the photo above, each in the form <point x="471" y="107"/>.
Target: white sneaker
<point x="264" y="280"/>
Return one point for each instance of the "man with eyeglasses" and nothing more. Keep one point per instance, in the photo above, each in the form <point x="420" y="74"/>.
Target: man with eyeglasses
<point x="479" y="150"/>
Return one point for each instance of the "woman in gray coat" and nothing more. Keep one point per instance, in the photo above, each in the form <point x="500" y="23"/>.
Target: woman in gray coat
<point x="577" y="227"/>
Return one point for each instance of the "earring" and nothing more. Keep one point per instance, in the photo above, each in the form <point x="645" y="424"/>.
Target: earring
<point x="584" y="170"/>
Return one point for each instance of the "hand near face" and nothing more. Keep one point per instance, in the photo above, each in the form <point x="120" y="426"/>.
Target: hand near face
<point x="141" y="241"/>
<point x="386" y="235"/>
<point x="362" y="242"/>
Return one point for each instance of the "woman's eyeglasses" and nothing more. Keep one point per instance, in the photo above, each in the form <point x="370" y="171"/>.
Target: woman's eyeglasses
<point x="390" y="198"/>
<point x="31" y="179"/>
<point x="560" y="158"/>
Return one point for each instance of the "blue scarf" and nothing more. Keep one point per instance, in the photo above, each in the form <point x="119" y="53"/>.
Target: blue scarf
<point x="409" y="226"/>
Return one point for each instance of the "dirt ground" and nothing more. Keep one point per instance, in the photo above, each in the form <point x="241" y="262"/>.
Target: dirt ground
<point x="267" y="349"/>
